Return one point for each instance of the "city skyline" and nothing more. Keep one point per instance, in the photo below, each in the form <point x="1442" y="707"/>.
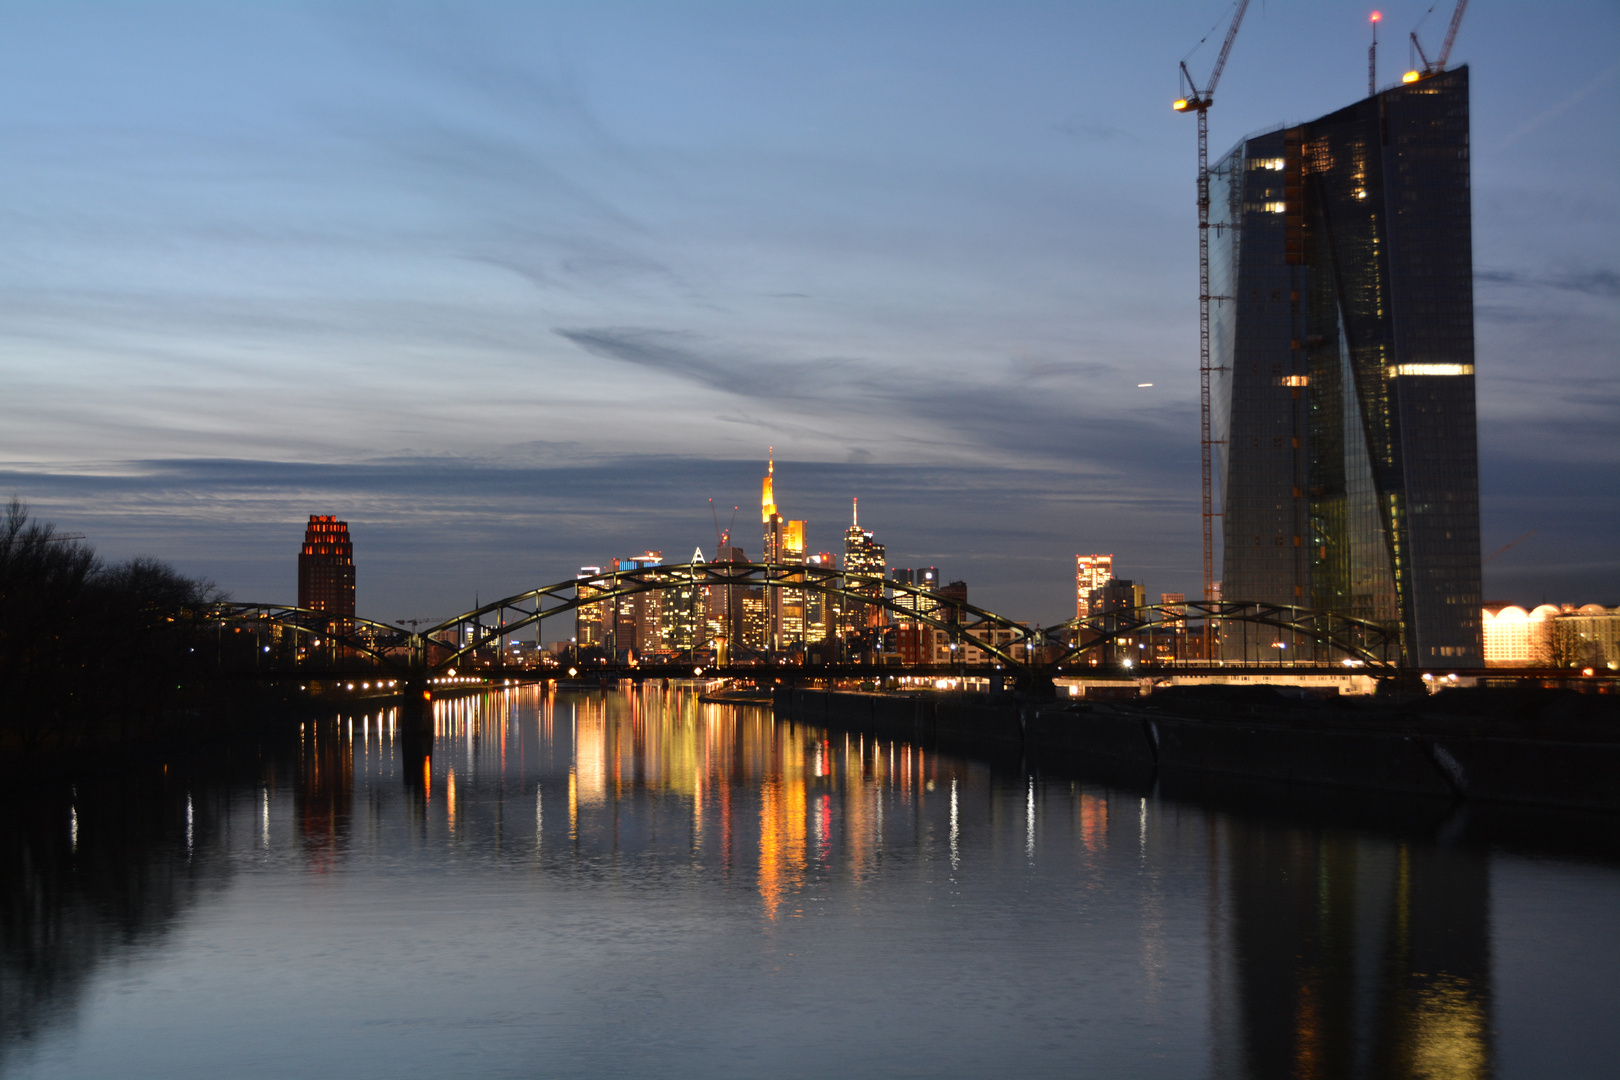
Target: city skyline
<point x="544" y="280"/>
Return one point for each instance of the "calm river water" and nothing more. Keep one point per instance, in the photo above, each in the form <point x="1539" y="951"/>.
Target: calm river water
<point x="633" y="883"/>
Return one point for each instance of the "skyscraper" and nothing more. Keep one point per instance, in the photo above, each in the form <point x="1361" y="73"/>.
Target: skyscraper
<point x="726" y="608"/>
<point x="638" y="618"/>
<point x="591" y="620"/>
<point x="1090" y="572"/>
<point x="1343" y="345"/>
<point x="784" y="545"/>
<point x="862" y="555"/>
<point x="326" y="568"/>
<point x="820" y="609"/>
<point x="686" y="610"/>
<point x="926" y="577"/>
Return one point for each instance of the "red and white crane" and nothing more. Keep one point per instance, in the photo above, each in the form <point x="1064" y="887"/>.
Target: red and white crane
<point x="1196" y="99"/>
<point x="1439" y="63"/>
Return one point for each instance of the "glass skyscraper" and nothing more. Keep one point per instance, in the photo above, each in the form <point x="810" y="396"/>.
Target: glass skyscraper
<point x="1343" y="343"/>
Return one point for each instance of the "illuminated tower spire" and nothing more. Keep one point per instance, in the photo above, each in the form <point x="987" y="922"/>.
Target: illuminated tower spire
<point x="855" y="513"/>
<point x="767" y="497"/>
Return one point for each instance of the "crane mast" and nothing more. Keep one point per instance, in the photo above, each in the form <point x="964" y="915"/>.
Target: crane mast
<point x="1198" y="101"/>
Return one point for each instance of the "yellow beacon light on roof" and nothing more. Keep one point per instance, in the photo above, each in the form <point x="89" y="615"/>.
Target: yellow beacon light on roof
<point x="1411" y="76"/>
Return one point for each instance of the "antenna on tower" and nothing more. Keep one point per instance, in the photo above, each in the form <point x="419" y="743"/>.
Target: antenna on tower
<point x="1372" y="58"/>
<point x="855" y="513"/>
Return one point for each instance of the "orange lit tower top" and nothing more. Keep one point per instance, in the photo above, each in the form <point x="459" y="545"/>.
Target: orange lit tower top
<point x="326" y="567"/>
<point x="784" y="539"/>
<point x="784" y="544"/>
<point x="767" y="496"/>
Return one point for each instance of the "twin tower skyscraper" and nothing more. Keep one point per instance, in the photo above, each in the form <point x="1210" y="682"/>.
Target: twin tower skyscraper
<point x="1343" y="345"/>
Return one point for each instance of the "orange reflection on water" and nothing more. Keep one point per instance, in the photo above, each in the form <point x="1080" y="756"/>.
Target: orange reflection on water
<point x="817" y="798"/>
<point x="324" y="793"/>
<point x="1093" y="823"/>
<point x="782" y="832"/>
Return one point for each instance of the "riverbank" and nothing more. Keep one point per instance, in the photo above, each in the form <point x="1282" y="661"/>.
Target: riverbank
<point x="1536" y="748"/>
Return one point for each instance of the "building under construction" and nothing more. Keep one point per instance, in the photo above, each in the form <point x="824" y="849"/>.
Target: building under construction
<point x="1342" y="349"/>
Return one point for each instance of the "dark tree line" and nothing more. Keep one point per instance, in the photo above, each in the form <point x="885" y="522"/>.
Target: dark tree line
<point x="88" y="646"/>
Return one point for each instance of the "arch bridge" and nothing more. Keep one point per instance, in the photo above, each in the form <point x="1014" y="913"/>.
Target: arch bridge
<point x="1246" y="632"/>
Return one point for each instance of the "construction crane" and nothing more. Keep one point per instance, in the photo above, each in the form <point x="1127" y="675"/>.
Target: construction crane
<point x="1439" y="63"/>
<point x="1198" y="100"/>
<point x="722" y="539"/>
<point x="1505" y="547"/>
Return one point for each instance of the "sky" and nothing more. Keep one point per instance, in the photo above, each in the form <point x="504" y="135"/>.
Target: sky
<point x="519" y="287"/>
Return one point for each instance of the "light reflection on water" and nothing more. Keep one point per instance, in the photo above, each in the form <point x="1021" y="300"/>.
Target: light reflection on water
<point x="633" y="883"/>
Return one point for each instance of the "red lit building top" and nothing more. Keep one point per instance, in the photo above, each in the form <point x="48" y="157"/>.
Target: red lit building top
<point x="326" y="566"/>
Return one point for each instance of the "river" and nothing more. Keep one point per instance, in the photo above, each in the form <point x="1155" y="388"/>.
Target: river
<point x="634" y="883"/>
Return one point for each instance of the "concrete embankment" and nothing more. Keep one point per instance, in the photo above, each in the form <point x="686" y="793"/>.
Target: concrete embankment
<point x="1371" y="747"/>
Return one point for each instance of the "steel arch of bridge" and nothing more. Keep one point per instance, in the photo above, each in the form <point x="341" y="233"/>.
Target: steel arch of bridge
<point x="1373" y="644"/>
<point x="613" y="585"/>
<point x="491" y="622"/>
<point x="310" y="624"/>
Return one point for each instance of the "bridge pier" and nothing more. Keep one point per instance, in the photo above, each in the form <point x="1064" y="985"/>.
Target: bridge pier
<point x="416" y="705"/>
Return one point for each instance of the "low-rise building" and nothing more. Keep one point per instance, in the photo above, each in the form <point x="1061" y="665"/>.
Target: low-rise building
<point x="1552" y="635"/>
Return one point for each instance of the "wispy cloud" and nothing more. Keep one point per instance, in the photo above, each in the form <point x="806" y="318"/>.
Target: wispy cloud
<point x="1025" y="410"/>
<point x="686" y="356"/>
<point x="1542" y="118"/>
<point x="1599" y="282"/>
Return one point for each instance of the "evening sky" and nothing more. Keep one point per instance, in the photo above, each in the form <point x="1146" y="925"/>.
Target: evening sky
<point x="517" y="287"/>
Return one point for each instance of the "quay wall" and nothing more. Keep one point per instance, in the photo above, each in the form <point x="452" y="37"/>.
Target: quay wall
<point x="1142" y="744"/>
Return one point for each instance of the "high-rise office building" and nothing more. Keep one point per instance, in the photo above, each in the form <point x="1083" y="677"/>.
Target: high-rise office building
<point x="686" y="611"/>
<point x="784" y="545"/>
<point x="1116" y="594"/>
<point x="638" y="621"/>
<point x="1090" y="572"/>
<point x="1343" y="348"/>
<point x="326" y="568"/>
<point x="821" y="610"/>
<point x="591" y="620"/>
<point x="726" y="607"/>
<point x="924" y="577"/>
<point x="863" y="555"/>
<point x="756" y="618"/>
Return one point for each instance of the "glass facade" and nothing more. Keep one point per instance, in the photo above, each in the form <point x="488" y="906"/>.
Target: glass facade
<point x="1344" y="393"/>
